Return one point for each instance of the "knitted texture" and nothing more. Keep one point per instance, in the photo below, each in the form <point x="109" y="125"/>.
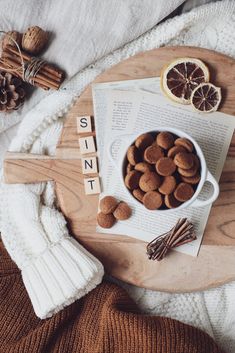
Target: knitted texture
<point x="209" y="26"/>
<point x="105" y="321"/>
<point x="56" y="270"/>
<point x="81" y="33"/>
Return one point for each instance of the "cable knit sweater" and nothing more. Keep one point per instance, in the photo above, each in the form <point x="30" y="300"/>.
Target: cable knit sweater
<point x="105" y="321"/>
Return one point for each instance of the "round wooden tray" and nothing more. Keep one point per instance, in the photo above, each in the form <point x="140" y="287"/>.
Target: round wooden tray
<point x="124" y="257"/>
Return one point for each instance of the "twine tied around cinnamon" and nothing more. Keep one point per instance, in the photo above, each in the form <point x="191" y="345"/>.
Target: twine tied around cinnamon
<point x="30" y="69"/>
<point x="181" y="233"/>
<point x="35" y="71"/>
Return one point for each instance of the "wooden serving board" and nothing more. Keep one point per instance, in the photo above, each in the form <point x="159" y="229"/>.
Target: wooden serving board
<point x="124" y="257"/>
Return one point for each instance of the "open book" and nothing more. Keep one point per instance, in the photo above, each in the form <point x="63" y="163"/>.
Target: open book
<point x="138" y="106"/>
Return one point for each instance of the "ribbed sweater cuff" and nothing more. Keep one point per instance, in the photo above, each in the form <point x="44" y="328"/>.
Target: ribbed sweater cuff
<point x="63" y="273"/>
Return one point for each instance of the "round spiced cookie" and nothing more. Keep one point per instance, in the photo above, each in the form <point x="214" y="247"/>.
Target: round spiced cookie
<point x="183" y="192"/>
<point x="132" y="179"/>
<point x="192" y="171"/>
<point x="149" y="181"/>
<point x="196" y="160"/>
<point x="174" y="150"/>
<point x="165" y="140"/>
<point x="188" y="172"/>
<point x="171" y="202"/>
<point x="152" y="200"/>
<point x="143" y="141"/>
<point x="123" y="211"/>
<point x="184" y="160"/>
<point x="144" y="167"/>
<point x="138" y="194"/>
<point x="129" y="167"/>
<point x="194" y="180"/>
<point x="168" y="185"/>
<point x="182" y="141"/>
<point x="165" y="166"/>
<point x="133" y="155"/>
<point x="108" y="204"/>
<point x="153" y="153"/>
<point x="105" y="220"/>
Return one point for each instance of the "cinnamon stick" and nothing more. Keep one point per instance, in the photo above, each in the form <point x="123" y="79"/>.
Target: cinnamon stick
<point x="17" y="74"/>
<point x="47" y="77"/>
<point x="181" y="233"/>
<point x="27" y="57"/>
<point x="40" y="78"/>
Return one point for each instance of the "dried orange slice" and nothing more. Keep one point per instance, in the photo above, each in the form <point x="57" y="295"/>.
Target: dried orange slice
<point x="206" y="98"/>
<point x="181" y="77"/>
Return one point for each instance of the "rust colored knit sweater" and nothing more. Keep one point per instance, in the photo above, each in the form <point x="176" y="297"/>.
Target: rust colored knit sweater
<point x="105" y="321"/>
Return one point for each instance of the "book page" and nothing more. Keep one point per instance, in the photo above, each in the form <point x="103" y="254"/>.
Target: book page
<point x="100" y="101"/>
<point x="138" y="111"/>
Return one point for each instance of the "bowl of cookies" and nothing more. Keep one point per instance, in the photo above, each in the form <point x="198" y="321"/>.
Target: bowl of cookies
<point x="163" y="170"/>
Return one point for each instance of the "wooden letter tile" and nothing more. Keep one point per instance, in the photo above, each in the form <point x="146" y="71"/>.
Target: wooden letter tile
<point x="92" y="185"/>
<point x="89" y="165"/>
<point x="84" y="124"/>
<point x="87" y="144"/>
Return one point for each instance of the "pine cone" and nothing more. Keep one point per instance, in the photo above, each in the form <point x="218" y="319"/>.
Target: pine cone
<point x="12" y="93"/>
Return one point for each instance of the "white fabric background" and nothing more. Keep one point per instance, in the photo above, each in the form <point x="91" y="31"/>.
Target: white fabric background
<point x="213" y="27"/>
<point x="80" y="31"/>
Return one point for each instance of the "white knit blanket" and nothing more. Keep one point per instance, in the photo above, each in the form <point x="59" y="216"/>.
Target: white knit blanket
<point x="81" y="31"/>
<point x="210" y="26"/>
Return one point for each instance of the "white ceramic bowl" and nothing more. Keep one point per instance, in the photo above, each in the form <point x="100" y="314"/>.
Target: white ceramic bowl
<point x="128" y="140"/>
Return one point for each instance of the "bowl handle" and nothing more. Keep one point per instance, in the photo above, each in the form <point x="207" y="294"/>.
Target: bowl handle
<point x="201" y="203"/>
<point x="127" y="139"/>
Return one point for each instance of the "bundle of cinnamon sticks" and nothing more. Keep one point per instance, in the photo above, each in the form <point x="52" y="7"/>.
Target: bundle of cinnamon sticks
<point x="181" y="233"/>
<point x="48" y="77"/>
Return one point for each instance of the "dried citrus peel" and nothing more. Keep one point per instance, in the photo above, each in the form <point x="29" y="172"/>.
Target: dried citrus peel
<point x="206" y="98"/>
<point x="181" y="76"/>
